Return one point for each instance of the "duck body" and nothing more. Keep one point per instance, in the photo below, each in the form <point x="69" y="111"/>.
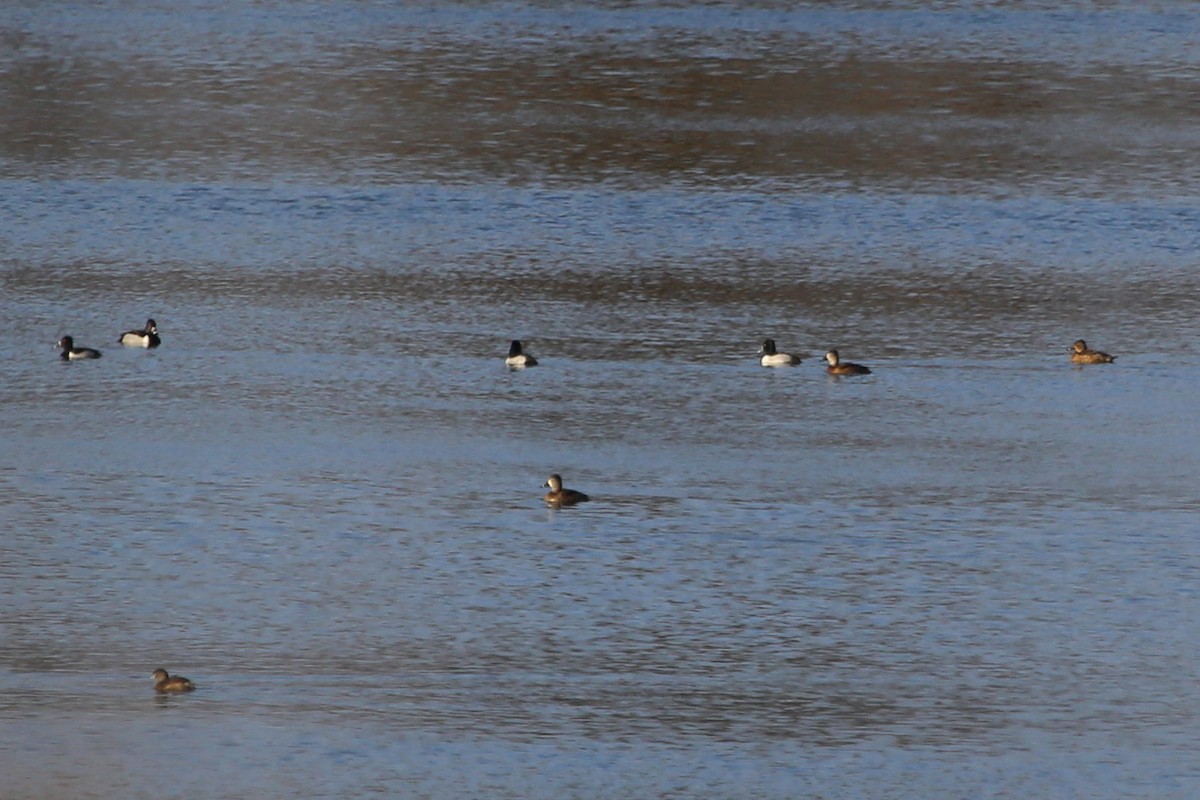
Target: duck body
<point x="146" y="337"/>
<point x="165" y="683"/>
<point x="839" y="367"/>
<point x="558" y="496"/>
<point x="72" y="353"/>
<point x="518" y="358"/>
<point x="1081" y="354"/>
<point x="770" y="357"/>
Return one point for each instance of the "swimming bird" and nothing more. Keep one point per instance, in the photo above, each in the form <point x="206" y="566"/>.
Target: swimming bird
<point x="1080" y="354"/>
<point x="72" y="353"/>
<point x="839" y="367"/>
<point x="558" y="496"/>
<point x="146" y="337"/>
<point x="164" y="683"/>
<point x="772" y="358"/>
<point x="518" y="358"/>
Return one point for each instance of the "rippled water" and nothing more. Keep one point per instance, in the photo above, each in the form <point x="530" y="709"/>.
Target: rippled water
<point x="972" y="573"/>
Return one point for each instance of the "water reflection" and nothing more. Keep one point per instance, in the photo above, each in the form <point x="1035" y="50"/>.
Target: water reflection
<point x="902" y="96"/>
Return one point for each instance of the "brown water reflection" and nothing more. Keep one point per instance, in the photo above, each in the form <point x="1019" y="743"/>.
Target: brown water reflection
<point x="670" y="104"/>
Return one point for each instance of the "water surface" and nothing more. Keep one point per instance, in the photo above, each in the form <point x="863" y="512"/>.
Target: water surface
<point x="969" y="574"/>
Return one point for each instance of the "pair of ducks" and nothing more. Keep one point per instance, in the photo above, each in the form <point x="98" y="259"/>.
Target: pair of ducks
<point x="770" y="357"/>
<point x="146" y="337"/>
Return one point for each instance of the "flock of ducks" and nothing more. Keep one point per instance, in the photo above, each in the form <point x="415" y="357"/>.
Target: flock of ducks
<point x="769" y="356"/>
<point x="558" y="496"/>
<point x="517" y="358"/>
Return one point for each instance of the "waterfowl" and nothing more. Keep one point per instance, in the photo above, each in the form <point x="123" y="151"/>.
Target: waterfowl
<point x="1080" y="354"/>
<point x="518" y="358"/>
<point x="773" y="358"/>
<point x="839" y="367"/>
<point x="146" y="337"/>
<point x="558" y="496"/>
<point x="72" y="353"/>
<point x="164" y="683"/>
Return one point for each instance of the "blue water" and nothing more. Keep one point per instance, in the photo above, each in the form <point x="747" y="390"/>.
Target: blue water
<point x="969" y="574"/>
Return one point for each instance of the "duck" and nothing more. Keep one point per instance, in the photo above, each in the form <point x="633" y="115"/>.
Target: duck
<point x="558" y="496"/>
<point x="164" y="683"/>
<point x="1080" y="354"/>
<point x="146" y="337"/>
<point x="839" y="367"/>
<point x="518" y="358"/>
<point x="773" y="358"/>
<point x="72" y="353"/>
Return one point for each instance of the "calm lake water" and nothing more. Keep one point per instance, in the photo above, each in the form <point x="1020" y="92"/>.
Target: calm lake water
<point x="973" y="573"/>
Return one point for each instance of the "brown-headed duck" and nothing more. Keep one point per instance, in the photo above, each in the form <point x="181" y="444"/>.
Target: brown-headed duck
<point x="839" y="367"/>
<point x="558" y="496"/>
<point x="1080" y="354"/>
<point x="164" y="683"/>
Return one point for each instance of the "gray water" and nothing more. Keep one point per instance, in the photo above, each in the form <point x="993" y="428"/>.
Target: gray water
<point x="972" y="573"/>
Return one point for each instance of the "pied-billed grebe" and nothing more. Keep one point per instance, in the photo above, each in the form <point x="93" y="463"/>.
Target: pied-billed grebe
<point x="164" y="683"/>
<point x="558" y="496"/>
<point x="839" y="367"/>
<point x="773" y="358"/>
<point x="146" y="337"/>
<point x="1080" y="354"/>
